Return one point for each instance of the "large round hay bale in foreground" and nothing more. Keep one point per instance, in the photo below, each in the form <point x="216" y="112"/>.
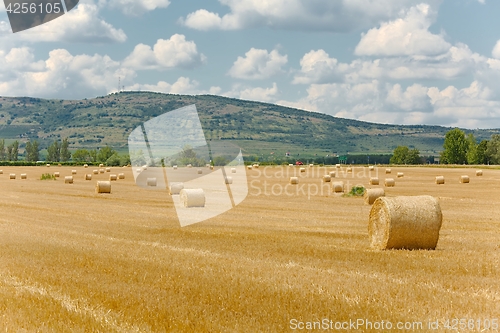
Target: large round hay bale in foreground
<point x="389" y="182"/>
<point x="24" y="176"/>
<point x="327" y="178"/>
<point x="338" y="187"/>
<point x="294" y="180"/>
<point x="103" y="187"/>
<point x="68" y="180"/>
<point x="405" y="223"/>
<point x="374" y="181"/>
<point x="440" y="180"/>
<point x="175" y="188"/>
<point x="479" y="172"/>
<point x="151" y="182"/>
<point x="373" y="194"/>
<point x="464" y="179"/>
<point x="12" y="176"/>
<point x="192" y="197"/>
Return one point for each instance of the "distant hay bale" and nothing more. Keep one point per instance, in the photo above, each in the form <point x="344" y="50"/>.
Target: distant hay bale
<point x="294" y="180"/>
<point x="85" y="166"/>
<point x="373" y="194"/>
<point x="371" y="168"/>
<point x="121" y="176"/>
<point x="388" y="171"/>
<point x="48" y="165"/>
<point x="175" y="188"/>
<point x="73" y="172"/>
<point x="175" y="167"/>
<point x="249" y="167"/>
<point x="333" y="174"/>
<point x="139" y="170"/>
<point x="302" y="169"/>
<point x="479" y="173"/>
<point x="464" y="179"/>
<point x="327" y="178"/>
<point x="389" y="182"/>
<point x="88" y="176"/>
<point x="56" y="174"/>
<point x="233" y="170"/>
<point x="24" y="176"/>
<point x="101" y="170"/>
<point x="59" y="164"/>
<point x="103" y="187"/>
<point x="311" y="165"/>
<point x="405" y="223"/>
<point x="151" y="182"/>
<point x="68" y="180"/>
<point x="228" y="180"/>
<point x="400" y="175"/>
<point x="440" y="180"/>
<point x="256" y="166"/>
<point x="290" y="165"/>
<point x="101" y="165"/>
<point x="144" y="167"/>
<point x="207" y="165"/>
<point x="189" y="166"/>
<point x="349" y="170"/>
<point x="211" y="167"/>
<point x="95" y="172"/>
<point x="108" y="169"/>
<point x="192" y="197"/>
<point x="374" y="181"/>
<point x="200" y="171"/>
<point x="1" y="172"/>
<point x="338" y="187"/>
<point x="12" y="176"/>
<point x="337" y="166"/>
<point x="113" y="177"/>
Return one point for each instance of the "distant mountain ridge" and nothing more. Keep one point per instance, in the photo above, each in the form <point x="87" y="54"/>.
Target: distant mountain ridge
<point x="258" y="128"/>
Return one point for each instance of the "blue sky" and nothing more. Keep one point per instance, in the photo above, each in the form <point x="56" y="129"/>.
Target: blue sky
<point x="386" y="61"/>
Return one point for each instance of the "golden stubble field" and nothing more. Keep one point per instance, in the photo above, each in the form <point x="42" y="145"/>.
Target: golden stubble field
<point x="75" y="261"/>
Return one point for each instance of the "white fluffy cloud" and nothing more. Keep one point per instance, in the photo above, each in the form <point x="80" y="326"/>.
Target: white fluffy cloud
<point x="258" y="64"/>
<point x="332" y="15"/>
<point x="254" y="94"/>
<point x="405" y="36"/>
<point x="183" y="85"/>
<point x="166" y="54"/>
<point x="137" y="7"/>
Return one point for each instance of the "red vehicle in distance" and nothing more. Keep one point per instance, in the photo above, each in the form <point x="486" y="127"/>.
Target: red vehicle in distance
<point x="299" y="163"/>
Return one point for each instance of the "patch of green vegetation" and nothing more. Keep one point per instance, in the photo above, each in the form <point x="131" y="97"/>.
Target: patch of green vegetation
<point x="356" y="191"/>
<point x="47" y="176"/>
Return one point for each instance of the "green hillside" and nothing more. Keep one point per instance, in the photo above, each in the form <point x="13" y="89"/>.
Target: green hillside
<point x="258" y="128"/>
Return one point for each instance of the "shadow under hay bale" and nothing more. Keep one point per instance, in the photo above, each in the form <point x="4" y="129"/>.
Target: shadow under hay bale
<point x="405" y="223"/>
<point x="373" y="194"/>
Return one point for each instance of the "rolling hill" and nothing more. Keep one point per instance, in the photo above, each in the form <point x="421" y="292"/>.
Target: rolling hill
<point x="258" y="128"/>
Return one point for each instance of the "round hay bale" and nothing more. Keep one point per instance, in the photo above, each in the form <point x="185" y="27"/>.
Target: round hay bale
<point x="59" y="164"/>
<point x="113" y="178"/>
<point x="211" y="167"/>
<point x="294" y="180"/>
<point x="338" y="187"/>
<point x="479" y="173"/>
<point x="1" y="172"/>
<point x="256" y="166"/>
<point x="151" y="182"/>
<point x="101" y="165"/>
<point x="48" y="165"/>
<point x="400" y="175"/>
<point x="349" y="170"/>
<point x="405" y="223"/>
<point x="249" y="167"/>
<point x="88" y="176"/>
<point x="228" y="180"/>
<point x="337" y="166"/>
<point x="85" y="166"/>
<point x="233" y="170"/>
<point x="73" y="172"/>
<point x="373" y="194"/>
<point x="290" y="165"/>
<point x="189" y="166"/>
<point x="374" y="181"/>
<point x="56" y="174"/>
<point x="371" y="168"/>
<point x="302" y="169"/>
<point x="327" y="178"/>
<point x="207" y="165"/>
<point x="68" y="180"/>
<point x="12" y="176"/>
<point x="311" y="165"/>
<point x="95" y="172"/>
<point x="175" y="167"/>
<point x="175" y="188"/>
<point x="200" y="171"/>
<point x="464" y="179"/>
<point x="24" y="176"/>
<point x="389" y="182"/>
<point x="101" y="170"/>
<point x="388" y="171"/>
<point x="332" y="174"/>
<point x="121" y="176"/>
<point x="103" y="187"/>
<point x="440" y="180"/>
<point x="192" y="197"/>
<point x="108" y="169"/>
<point x="139" y="170"/>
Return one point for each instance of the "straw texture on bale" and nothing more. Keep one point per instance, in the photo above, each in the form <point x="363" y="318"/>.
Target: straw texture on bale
<point x="56" y="174"/>
<point x="88" y="176"/>
<point x="121" y="176"/>
<point x="24" y="176"/>
<point x="389" y="182"/>
<point x="388" y="171"/>
<point x="175" y="188"/>
<point x="440" y="180"/>
<point x="101" y="170"/>
<point x="479" y="172"/>
<point x="327" y="178"/>
<point x="200" y="171"/>
<point x="338" y="187"/>
<point x="405" y="223"/>
<point x="228" y="180"/>
<point x="401" y="175"/>
<point x="192" y="197"/>
<point x="68" y="180"/>
<point x="95" y="172"/>
<point x="373" y="194"/>
<point x="464" y="179"/>
<point x="374" y="181"/>
<point x="103" y="187"/>
<point x="294" y="180"/>
<point x="113" y="177"/>
<point x="73" y="172"/>
<point x="12" y="176"/>
<point x="233" y="170"/>
<point x="151" y="181"/>
<point x="302" y="169"/>
<point x="333" y="174"/>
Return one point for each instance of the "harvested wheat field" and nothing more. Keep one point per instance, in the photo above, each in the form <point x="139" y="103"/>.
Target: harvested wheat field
<point x="288" y="256"/>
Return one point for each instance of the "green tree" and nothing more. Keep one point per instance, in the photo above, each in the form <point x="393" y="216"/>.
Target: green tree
<point x="54" y="152"/>
<point x="9" y="152"/>
<point x="455" y="147"/>
<point x="493" y="149"/>
<point x="14" y="151"/>
<point x="482" y="156"/>
<point x="93" y="155"/>
<point x="105" y="153"/>
<point x="65" y="153"/>
<point x="32" y="151"/>
<point x="2" y="150"/>
<point x="471" y="149"/>
<point x="399" y="155"/>
<point x="413" y="157"/>
<point x="81" y="155"/>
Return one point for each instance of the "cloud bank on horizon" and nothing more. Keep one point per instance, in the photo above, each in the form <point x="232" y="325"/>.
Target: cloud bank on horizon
<point x="387" y="61"/>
